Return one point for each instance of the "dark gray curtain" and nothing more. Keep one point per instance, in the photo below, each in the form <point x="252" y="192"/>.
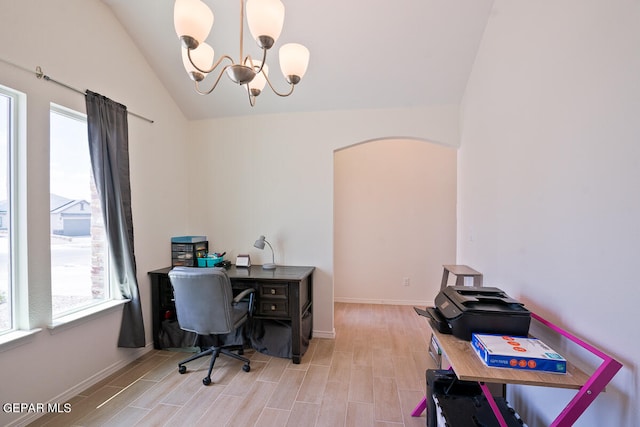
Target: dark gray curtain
<point x="109" y="150"/>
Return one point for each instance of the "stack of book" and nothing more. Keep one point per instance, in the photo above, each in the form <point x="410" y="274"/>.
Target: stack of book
<point x="518" y="353"/>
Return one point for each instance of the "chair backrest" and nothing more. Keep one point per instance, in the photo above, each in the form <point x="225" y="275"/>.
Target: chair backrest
<point x="203" y="298"/>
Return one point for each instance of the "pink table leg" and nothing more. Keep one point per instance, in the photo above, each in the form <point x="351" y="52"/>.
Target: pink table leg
<point x="420" y="408"/>
<point x="493" y="405"/>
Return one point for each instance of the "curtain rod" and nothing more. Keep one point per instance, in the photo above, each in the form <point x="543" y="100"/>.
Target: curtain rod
<point x="40" y="75"/>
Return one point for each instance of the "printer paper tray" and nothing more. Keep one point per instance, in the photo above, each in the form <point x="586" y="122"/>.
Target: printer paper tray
<point x="436" y="319"/>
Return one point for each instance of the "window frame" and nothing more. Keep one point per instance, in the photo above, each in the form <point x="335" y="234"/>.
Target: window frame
<point x="25" y="324"/>
<point x="12" y="135"/>
<point x="110" y="299"/>
<point x="20" y="331"/>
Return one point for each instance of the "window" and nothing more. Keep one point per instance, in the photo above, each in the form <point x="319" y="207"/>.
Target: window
<point x="8" y="138"/>
<point x="79" y="255"/>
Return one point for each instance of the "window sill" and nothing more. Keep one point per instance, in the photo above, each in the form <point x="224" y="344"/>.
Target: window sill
<point x="74" y="319"/>
<point x="16" y="338"/>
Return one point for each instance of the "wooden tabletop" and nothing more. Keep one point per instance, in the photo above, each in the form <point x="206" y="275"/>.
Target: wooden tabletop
<point x="281" y="272"/>
<point x="468" y="366"/>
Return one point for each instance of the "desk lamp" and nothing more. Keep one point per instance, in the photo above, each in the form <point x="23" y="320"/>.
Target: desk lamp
<point x="260" y="245"/>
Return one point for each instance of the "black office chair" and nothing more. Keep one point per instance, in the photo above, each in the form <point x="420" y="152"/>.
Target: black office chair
<point x="205" y="305"/>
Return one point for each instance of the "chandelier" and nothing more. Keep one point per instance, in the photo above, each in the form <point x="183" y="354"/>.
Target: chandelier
<point x="193" y="21"/>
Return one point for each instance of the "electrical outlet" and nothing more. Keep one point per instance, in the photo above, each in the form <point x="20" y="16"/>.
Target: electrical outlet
<point x="406" y="281"/>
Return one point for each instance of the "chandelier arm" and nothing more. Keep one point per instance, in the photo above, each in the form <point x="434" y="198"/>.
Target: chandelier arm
<point x="218" y="62"/>
<point x="197" y="86"/>
<point x="274" y="89"/>
<point x="262" y="64"/>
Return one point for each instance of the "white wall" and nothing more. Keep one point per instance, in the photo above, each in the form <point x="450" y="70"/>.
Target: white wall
<point x="549" y="178"/>
<point x="80" y="43"/>
<point x="394" y="220"/>
<point x="273" y="175"/>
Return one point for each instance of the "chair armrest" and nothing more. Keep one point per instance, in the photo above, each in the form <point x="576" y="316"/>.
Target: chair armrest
<point x="242" y="295"/>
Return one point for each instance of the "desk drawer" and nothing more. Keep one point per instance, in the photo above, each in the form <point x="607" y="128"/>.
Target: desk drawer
<point x="273" y="307"/>
<point x="273" y="291"/>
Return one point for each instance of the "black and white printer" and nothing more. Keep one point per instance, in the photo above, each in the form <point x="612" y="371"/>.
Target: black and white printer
<point x="463" y="310"/>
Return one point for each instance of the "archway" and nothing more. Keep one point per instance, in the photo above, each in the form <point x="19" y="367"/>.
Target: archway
<point x="394" y="220"/>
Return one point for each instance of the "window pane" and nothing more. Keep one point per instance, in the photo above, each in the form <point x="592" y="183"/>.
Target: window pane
<point x="78" y="245"/>
<point x="6" y="300"/>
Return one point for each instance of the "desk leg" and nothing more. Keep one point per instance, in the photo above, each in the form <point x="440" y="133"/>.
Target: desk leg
<point x="493" y="405"/>
<point x="420" y="408"/>
<point x="296" y="323"/>
<point x="588" y="392"/>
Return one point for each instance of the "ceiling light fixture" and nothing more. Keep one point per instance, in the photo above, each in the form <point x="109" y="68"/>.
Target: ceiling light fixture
<point x="193" y="20"/>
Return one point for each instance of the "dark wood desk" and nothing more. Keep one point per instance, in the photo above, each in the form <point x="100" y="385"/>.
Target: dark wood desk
<point x="284" y="294"/>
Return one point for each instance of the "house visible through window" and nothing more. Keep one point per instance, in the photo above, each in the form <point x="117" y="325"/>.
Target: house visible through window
<point x="7" y="138"/>
<point x="79" y="255"/>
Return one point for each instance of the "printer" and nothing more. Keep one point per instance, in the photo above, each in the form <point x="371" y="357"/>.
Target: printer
<point x="463" y="310"/>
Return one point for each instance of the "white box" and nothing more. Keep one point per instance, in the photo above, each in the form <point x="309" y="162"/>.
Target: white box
<point x="524" y="353"/>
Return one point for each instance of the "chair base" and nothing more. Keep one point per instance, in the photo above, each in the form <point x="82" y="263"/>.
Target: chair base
<point x="214" y="352"/>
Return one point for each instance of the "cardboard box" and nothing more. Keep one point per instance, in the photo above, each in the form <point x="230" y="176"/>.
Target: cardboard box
<point x="504" y="351"/>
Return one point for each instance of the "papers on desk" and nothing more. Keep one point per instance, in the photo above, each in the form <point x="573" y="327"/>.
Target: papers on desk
<point x="504" y="351"/>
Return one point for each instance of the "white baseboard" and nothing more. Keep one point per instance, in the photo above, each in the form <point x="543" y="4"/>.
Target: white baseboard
<point x="384" y="301"/>
<point x="324" y="334"/>
<point x="80" y="387"/>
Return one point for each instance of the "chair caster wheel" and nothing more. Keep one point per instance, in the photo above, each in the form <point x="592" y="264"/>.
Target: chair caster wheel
<point x="206" y="381"/>
<point x="182" y="369"/>
<point x="246" y="368"/>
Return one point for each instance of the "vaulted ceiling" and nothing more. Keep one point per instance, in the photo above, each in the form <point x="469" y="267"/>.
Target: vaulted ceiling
<point x="364" y="54"/>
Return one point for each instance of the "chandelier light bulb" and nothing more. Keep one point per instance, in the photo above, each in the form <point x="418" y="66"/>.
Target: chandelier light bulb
<point x="192" y="19"/>
<point x="202" y="57"/>
<point x="265" y="19"/>
<point x="258" y="83"/>
<point x="294" y="60"/>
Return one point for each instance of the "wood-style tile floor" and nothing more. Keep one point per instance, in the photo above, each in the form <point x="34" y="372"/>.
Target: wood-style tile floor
<point x="371" y="374"/>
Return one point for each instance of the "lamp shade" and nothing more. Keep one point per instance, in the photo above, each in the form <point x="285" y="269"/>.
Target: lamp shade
<point x="202" y="56"/>
<point x="192" y="18"/>
<point x="294" y="59"/>
<point x="259" y="81"/>
<point x="259" y="243"/>
<point x="265" y="18"/>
